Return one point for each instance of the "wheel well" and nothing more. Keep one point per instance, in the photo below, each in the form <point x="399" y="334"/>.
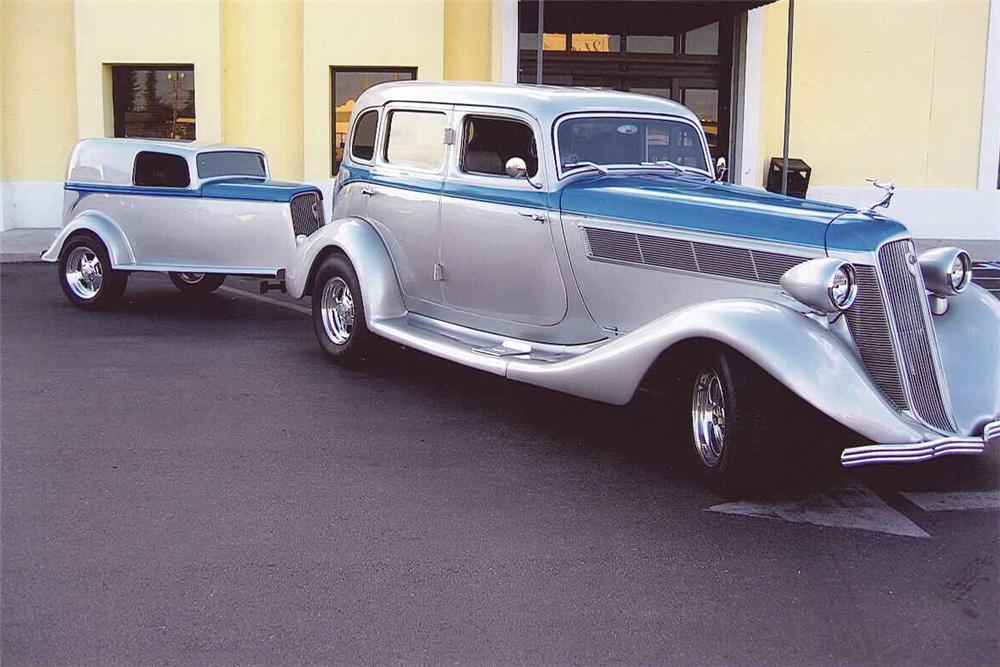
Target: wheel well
<point x="320" y="258"/>
<point x="86" y="233"/>
<point x="673" y="364"/>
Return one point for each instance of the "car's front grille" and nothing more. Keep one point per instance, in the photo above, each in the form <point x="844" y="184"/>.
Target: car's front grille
<point x="307" y="213"/>
<point x="905" y="296"/>
<point x="898" y="297"/>
<point x="682" y="255"/>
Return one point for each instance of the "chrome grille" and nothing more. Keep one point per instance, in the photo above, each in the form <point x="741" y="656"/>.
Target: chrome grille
<point x="307" y="213"/>
<point x="869" y="325"/>
<point x="905" y="295"/>
<point x="670" y="253"/>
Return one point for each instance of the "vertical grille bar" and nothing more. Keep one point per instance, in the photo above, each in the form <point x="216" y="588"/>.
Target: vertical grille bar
<point x="904" y="293"/>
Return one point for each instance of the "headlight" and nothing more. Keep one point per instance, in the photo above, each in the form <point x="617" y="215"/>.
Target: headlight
<point x="843" y="286"/>
<point x="946" y="271"/>
<point x="827" y="284"/>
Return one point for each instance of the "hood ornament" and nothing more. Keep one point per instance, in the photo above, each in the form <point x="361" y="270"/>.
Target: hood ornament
<point x="888" y="190"/>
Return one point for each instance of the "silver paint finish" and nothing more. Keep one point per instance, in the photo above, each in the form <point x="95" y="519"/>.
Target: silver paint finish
<point x="936" y="267"/>
<point x="812" y="283"/>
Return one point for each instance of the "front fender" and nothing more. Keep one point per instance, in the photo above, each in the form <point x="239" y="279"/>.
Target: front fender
<point x="968" y="335"/>
<point x="364" y="248"/>
<point x="812" y="362"/>
<point x="105" y="228"/>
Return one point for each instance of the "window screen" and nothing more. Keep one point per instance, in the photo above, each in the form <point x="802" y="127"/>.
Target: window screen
<point x="230" y="163"/>
<point x="488" y="143"/>
<point x="161" y="170"/>
<point x="363" y="146"/>
<point x="416" y="139"/>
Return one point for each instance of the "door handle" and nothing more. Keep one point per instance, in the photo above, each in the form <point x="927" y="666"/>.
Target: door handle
<point x="367" y="191"/>
<point x="537" y="217"/>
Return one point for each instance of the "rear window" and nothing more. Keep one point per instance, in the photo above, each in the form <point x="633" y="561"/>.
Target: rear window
<point x="231" y="163"/>
<point x="162" y="170"/>
<point x="363" y="147"/>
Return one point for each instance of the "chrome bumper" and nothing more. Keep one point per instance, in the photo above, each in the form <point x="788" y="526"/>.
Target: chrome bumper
<point x="921" y="451"/>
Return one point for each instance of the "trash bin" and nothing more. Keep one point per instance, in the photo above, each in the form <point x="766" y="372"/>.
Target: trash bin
<point x="798" y="177"/>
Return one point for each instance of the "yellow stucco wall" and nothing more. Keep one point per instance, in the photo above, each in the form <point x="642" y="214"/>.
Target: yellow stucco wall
<point x="891" y="89"/>
<point x="354" y="32"/>
<point x="148" y="31"/>
<point x="262" y="81"/>
<point x="39" y="92"/>
<point x="468" y="30"/>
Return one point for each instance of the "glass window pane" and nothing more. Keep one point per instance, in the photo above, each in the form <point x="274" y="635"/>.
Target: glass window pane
<point x="363" y="147"/>
<point x="554" y="41"/>
<point x="649" y="44"/>
<point x="593" y="42"/>
<point x="703" y="41"/>
<point x="161" y="170"/>
<point x="348" y="84"/>
<point x="416" y="139"/>
<point x="230" y="163"/>
<point x="704" y="102"/>
<point x="655" y="91"/>
<point x="625" y="140"/>
<point x="153" y="102"/>
<point x="488" y="143"/>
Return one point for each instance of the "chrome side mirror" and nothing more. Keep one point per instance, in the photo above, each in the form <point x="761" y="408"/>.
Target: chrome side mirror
<point x="720" y="168"/>
<point x="516" y="168"/>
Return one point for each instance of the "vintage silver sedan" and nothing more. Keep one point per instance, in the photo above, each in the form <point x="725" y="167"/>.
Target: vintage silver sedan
<point x="579" y="240"/>
<point x="199" y="213"/>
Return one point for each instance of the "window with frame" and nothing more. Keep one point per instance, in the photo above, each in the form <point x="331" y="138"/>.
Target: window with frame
<point x="488" y="142"/>
<point x="346" y="85"/>
<point x="231" y="163"/>
<point x="161" y="170"/>
<point x="365" y="130"/>
<point x="415" y="139"/>
<point x="153" y="101"/>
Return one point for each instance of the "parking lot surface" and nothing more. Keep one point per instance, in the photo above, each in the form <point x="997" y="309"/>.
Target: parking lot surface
<point x="190" y="482"/>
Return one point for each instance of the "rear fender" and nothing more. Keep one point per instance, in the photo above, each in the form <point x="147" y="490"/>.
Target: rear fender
<point x="362" y="245"/>
<point x="811" y="361"/>
<point x="101" y="226"/>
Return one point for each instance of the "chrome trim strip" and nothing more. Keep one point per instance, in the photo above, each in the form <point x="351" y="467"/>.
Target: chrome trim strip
<point x="921" y="451"/>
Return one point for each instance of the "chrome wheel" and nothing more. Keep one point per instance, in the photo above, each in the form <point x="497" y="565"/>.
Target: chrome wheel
<point x="337" y="306"/>
<point x="84" y="273"/>
<point x="191" y="278"/>
<point x="708" y="413"/>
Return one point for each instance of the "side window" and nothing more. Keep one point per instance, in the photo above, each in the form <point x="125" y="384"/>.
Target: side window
<point x="161" y="170"/>
<point x="487" y="144"/>
<point x="363" y="143"/>
<point x="416" y="139"/>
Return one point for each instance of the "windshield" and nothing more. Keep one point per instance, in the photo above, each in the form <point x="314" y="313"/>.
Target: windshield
<point x="230" y="163"/>
<point x="630" y="141"/>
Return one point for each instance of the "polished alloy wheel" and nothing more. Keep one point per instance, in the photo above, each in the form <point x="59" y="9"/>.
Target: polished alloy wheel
<point x="84" y="273"/>
<point x="337" y="306"/>
<point x="708" y="412"/>
<point x="191" y="278"/>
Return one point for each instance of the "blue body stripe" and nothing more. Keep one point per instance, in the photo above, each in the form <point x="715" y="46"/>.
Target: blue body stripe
<point x="242" y="189"/>
<point x="677" y="202"/>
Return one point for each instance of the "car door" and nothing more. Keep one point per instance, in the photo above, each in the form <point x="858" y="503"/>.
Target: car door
<point x="404" y="195"/>
<point x="497" y="245"/>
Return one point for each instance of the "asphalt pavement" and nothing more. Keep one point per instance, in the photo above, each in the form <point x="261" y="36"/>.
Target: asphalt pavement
<point x="190" y="482"/>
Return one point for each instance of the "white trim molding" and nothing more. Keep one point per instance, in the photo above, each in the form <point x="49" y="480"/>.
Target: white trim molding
<point x="752" y="80"/>
<point x="505" y="41"/>
<point x="35" y="204"/>
<point x="989" y="146"/>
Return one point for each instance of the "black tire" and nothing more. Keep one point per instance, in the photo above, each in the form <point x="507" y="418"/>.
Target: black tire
<point x="197" y="283"/>
<point x="79" y="283"/>
<point x="751" y="460"/>
<point x="342" y="334"/>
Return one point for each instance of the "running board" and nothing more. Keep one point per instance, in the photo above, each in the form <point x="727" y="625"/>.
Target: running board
<point x="470" y="347"/>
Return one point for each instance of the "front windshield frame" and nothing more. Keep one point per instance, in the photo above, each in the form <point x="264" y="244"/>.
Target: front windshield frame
<point x="628" y="114"/>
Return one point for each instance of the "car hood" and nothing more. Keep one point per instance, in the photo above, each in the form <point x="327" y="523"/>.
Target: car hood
<point x="698" y="204"/>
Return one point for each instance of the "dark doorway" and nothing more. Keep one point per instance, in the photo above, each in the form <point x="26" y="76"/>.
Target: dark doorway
<point x="678" y="50"/>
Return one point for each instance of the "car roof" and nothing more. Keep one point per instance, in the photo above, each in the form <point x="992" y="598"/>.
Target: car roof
<point x="545" y="103"/>
<point x="133" y="146"/>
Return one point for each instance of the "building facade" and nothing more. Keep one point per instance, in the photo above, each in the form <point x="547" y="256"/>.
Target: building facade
<point x="907" y="91"/>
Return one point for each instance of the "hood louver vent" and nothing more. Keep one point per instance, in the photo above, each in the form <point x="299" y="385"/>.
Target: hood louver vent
<point x="694" y="256"/>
